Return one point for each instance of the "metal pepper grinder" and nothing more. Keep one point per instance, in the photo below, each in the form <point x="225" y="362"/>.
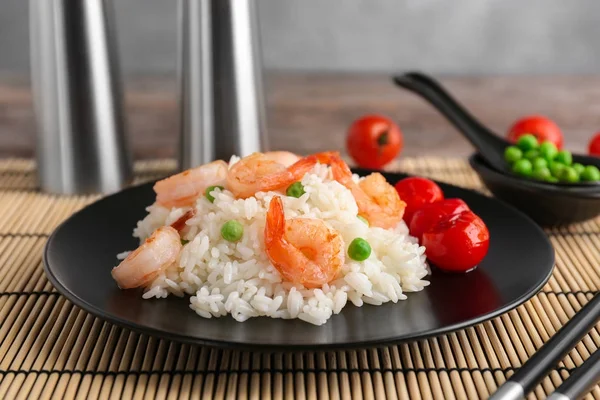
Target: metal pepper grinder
<point x="81" y="144"/>
<point x="220" y="74"/>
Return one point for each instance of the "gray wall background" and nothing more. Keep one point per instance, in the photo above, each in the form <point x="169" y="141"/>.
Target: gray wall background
<point x="441" y="36"/>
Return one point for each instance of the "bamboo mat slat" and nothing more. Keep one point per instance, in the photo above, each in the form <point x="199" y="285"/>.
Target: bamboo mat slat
<point x="49" y="348"/>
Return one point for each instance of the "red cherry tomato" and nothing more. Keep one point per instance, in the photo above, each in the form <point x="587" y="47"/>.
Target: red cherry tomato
<point x="426" y="217"/>
<point x="542" y="128"/>
<point x="416" y="192"/>
<point x="457" y="243"/>
<point x="373" y="141"/>
<point x="594" y="146"/>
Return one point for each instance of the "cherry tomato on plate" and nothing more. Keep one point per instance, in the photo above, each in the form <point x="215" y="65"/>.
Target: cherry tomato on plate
<point x="544" y="129"/>
<point x="373" y="141"/>
<point x="426" y="217"/>
<point x="594" y="146"/>
<point x="457" y="243"/>
<point x="416" y="192"/>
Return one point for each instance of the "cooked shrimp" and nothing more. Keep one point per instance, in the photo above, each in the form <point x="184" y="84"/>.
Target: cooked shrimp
<point x="184" y="188"/>
<point x="284" y="158"/>
<point x="325" y="157"/>
<point x="303" y="250"/>
<point x="140" y="267"/>
<point x="179" y="225"/>
<point x="377" y="200"/>
<point x="259" y="173"/>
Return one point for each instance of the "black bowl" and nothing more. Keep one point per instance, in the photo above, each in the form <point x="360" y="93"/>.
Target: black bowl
<point x="548" y="205"/>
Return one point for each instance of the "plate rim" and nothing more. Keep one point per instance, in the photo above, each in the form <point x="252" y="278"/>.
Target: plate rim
<point x="227" y="344"/>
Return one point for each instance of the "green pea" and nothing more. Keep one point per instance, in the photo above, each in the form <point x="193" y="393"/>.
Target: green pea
<point x="579" y="168"/>
<point x="556" y="168"/>
<point x="548" y="150"/>
<point x="359" y="249"/>
<point x="568" y="174"/>
<point x="541" y="174"/>
<point x="552" y="179"/>
<point x="232" y="231"/>
<point x="527" y="142"/>
<point x="363" y="219"/>
<point x="564" y="157"/>
<point x="512" y="154"/>
<point x="590" y="173"/>
<point x="295" y="190"/>
<point x="539" y="163"/>
<point x="531" y="154"/>
<point x="523" y="167"/>
<point x="208" y="192"/>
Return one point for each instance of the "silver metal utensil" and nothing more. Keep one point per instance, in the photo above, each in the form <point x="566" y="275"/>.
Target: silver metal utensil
<point x="222" y="99"/>
<point x="541" y="362"/>
<point x="580" y="381"/>
<point x="81" y="144"/>
<point x="195" y="84"/>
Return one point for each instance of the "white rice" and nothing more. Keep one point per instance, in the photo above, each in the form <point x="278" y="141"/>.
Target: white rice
<point x="238" y="278"/>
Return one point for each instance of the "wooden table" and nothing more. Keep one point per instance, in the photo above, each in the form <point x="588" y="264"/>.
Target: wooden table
<point x="310" y="112"/>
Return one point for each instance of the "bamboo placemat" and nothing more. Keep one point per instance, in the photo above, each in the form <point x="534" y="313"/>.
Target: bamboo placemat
<point x="51" y="349"/>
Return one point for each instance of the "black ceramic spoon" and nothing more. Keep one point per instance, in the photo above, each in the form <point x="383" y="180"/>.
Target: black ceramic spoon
<point x="489" y="145"/>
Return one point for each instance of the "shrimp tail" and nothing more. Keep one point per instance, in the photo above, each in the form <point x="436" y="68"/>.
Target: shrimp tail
<point x="180" y="223"/>
<point x="341" y="171"/>
<point x="275" y="223"/>
<point x="326" y="157"/>
<point x="279" y="249"/>
<point x="301" y="167"/>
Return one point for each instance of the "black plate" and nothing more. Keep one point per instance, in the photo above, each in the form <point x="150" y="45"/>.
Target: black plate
<point x="81" y="252"/>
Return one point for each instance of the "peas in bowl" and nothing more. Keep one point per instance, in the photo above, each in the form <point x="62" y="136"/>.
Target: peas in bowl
<point x="544" y="162"/>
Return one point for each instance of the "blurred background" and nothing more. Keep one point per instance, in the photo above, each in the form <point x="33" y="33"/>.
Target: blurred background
<point x="327" y="62"/>
<point x="461" y="36"/>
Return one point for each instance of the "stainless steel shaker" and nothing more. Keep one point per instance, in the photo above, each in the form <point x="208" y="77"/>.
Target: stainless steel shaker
<point x="81" y="144"/>
<point x="222" y="99"/>
<point x="196" y="120"/>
